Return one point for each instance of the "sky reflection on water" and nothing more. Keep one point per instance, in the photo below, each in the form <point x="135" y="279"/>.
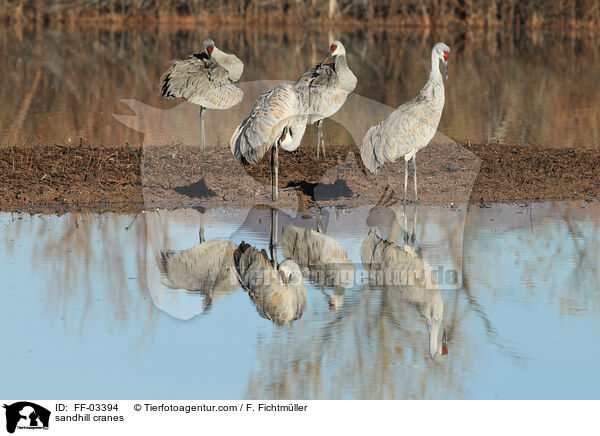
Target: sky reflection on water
<point x="84" y="300"/>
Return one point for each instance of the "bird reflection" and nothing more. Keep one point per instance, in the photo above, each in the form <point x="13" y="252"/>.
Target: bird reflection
<point x="321" y="258"/>
<point x="405" y="276"/>
<point x="207" y="268"/>
<point x="216" y="268"/>
<point x="277" y="290"/>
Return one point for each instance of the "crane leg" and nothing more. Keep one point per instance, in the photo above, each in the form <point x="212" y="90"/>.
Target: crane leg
<point x="414" y="159"/>
<point x="275" y="233"/>
<point x="202" y="110"/>
<point x="272" y="174"/>
<point x="201" y="231"/>
<point x="405" y="229"/>
<point x="273" y="237"/>
<point x="320" y="220"/>
<point x="321" y="140"/>
<point x="275" y="173"/>
<point x="318" y="138"/>
<point x="405" y="182"/>
<point x="413" y="238"/>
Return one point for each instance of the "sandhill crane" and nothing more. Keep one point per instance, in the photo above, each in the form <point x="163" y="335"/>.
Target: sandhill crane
<point x="206" y="79"/>
<point x="278" y="292"/>
<point x="407" y="276"/>
<point x="411" y="126"/>
<point x="278" y="119"/>
<point x="323" y="257"/>
<point x="207" y="268"/>
<point x="326" y="87"/>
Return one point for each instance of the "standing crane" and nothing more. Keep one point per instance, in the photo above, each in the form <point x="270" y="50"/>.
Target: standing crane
<point x="325" y="88"/>
<point x="278" y="119"/>
<point x="411" y="126"/>
<point x="206" y="79"/>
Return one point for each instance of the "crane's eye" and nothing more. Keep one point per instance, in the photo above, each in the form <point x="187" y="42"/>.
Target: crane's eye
<point x="210" y="49"/>
<point x="333" y="48"/>
<point x="446" y="55"/>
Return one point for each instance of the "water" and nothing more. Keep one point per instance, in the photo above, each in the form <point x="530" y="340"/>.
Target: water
<point x="84" y="299"/>
<point x="520" y="87"/>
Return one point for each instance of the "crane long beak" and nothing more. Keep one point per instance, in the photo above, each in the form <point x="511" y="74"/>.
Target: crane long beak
<point x="446" y="68"/>
<point x="325" y="60"/>
<point x="444" y="343"/>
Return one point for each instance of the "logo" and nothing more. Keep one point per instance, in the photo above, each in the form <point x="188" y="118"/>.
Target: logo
<point x="26" y="415"/>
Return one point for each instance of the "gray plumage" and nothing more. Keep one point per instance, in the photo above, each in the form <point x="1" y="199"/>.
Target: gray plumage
<point x="206" y="79"/>
<point x="278" y="293"/>
<point x="411" y="126"/>
<point x="320" y="254"/>
<point x="207" y="268"/>
<point x="272" y="112"/>
<point x="326" y="87"/>
<point x="406" y="276"/>
<point x="278" y="119"/>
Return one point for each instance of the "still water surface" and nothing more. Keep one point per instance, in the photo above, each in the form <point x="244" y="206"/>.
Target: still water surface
<point x="84" y="299"/>
<point x="537" y="88"/>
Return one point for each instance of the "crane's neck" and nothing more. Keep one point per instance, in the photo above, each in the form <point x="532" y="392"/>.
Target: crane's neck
<point x="340" y="62"/>
<point x="434" y="88"/>
<point x="347" y="79"/>
<point x="435" y="345"/>
<point x="217" y="55"/>
<point x="435" y="73"/>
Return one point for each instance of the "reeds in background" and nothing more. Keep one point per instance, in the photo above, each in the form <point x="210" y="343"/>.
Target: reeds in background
<point x="531" y="13"/>
<point x="526" y="86"/>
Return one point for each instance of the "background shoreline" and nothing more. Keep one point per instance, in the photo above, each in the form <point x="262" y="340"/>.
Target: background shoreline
<point x="423" y="13"/>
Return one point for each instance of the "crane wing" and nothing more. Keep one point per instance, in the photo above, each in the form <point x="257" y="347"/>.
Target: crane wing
<point x="199" y="267"/>
<point x="318" y="87"/>
<point x="201" y="81"/>
<point x="402" y="133"/>
<point x="231" y="63"/>
<point x="320" y="75"/>
<point x="274" y="109"/>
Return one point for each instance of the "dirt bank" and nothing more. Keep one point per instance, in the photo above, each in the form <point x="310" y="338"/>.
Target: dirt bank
<point x="82" y="177"/>
<point x="59" y="178"/>
<point x="515" y="173"/>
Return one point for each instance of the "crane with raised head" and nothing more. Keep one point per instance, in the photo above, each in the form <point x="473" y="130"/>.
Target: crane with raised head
<point x="411" y="126"/>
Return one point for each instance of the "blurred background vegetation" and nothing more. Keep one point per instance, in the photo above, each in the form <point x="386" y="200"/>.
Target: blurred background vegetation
<point x="524" y="86"/>
<point x="532" y="13"/>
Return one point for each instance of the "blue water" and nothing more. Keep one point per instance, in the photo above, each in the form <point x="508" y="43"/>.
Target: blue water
<point x="86" y="314"/>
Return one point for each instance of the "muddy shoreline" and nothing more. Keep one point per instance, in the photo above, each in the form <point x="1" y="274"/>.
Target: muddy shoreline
<point x="56" y="179"/>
